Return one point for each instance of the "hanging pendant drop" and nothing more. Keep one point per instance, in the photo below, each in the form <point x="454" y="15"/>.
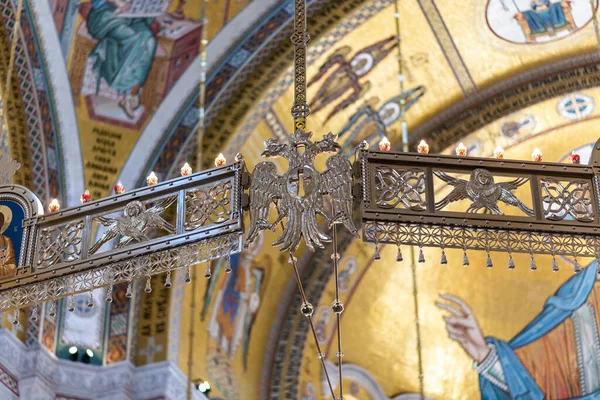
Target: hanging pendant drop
<point x="52" y="311"/>
<point x="168" y="280"/>
<point x="511" y="262"/>
<point x="444" y="260"/>
<point x="72" y="303"/>
<point x="489" y="262"/>
<point x="109" y="291"/>
<point x="376" y="255"/>
<point x="421" y="256"/>
<point x="34" y="313"/>
<point x="554" y="265"/>
<point x="207" y="271"/>
<point x="148" y="287"/>
<point x="228" y="267"/>
<point x="90" y="300"/>
<point x="576" y="267"/>
<point x="129" y="293"/>
<point x="188" y="274"/>
<point x="532" y="265"/>
<point x="399" y="257"/>
<point x="465" y="260"/>
<point x="15" y="320"/>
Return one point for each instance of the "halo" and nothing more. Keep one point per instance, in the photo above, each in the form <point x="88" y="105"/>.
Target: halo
<point x="8" y="216"/>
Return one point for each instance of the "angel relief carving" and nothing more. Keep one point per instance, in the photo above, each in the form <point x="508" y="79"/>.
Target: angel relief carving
<point x="299" y="193"/>
<point x="134" y="224"/>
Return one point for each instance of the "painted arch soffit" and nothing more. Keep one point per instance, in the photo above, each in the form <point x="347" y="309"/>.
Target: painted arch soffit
<point x="46" y="141"/>
<point x="241" y="74"/>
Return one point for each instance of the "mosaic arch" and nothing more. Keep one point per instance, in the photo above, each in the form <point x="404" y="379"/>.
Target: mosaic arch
<point x="48" y="147"/>
<point x="239" y="73"/>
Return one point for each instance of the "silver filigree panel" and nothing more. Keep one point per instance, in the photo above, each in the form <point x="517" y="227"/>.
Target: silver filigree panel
<point x="400" y="188"/>
<point x="567" y="199"/>
<point x="61" y="243"/>
<point x="208" y="205"/>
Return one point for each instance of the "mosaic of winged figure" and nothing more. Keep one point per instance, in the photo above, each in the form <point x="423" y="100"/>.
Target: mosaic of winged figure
<point x="299" y="193"/>
<point x="343" y="83"/>
<point x="134" y="223"/>
<point x="483" y="192"/>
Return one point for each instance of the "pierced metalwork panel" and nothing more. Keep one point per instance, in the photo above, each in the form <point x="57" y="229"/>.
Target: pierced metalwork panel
<point x="530" y="242"/>
<point x="567" y="200"/>
<point x="122" y="271"/>
<point x="147" y="226"/>
<point x="208" y="205"/>
<point x="61" y="243"/>
<point x="400" y="188"/>
<point x="554" y="207"/>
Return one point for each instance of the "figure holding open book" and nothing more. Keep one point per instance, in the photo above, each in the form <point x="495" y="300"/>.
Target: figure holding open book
<point x="124" y="51"/>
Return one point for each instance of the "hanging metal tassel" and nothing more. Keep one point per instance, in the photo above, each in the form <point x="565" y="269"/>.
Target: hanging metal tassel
<point x="228" y="267"/>
<point x="376" y="255"/>
<point x="15" y="320"/>
<point x="532" y="265"/>
<point x="129" y="293"/>
<point x="576" y="267"/>
<point x="90" y="300"/>
<point x="207" y="271"/>
<point x="148" y="287"/>
<point x="511" y="262"/>
<point x="52" y="311"/>
<point x="399" y="257"/>
<point x="421" y="256"/>
<point x="109" y="292"/>
<point x="554" y="264"/>
<point x="72" y="303"/>
<point x="489" y="262"/>
<point x="34" y="313"/>
<point x="188" y="274"/>
<point x="465" y="259"/>
<point x="168" y="280"/>
<point x="444" y="260"/>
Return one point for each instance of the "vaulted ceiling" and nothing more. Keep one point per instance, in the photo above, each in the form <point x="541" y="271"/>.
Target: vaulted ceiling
<point x="474" y="71"/>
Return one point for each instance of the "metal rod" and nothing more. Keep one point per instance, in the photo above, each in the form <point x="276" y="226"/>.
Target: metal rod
<point x="190" y="363"/>
<point x="199" y="162"/>
<point x="312" y="326"/>
<point x="202" y="88"/>
<point x="305" y="301"/>
<point x="340" y="354"/>
<point x="300" y="38"/>
<point x="401" y="79"/>
<point x="413" y="268"/>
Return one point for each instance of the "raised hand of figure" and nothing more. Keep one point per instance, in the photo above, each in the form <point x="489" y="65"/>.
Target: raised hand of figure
<point x="463" y="327"/>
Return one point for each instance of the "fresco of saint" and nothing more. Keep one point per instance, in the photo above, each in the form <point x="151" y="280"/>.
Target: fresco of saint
<point x="556" y="356"/>
<point x="545" y="16"/>
<point x="8" y="258"/>
<point x="124" y="51"/>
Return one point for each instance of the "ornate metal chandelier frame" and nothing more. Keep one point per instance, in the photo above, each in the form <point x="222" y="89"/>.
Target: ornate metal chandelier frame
<point x="556" y="210"/>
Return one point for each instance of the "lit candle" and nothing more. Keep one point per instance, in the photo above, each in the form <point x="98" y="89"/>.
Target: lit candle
<point x="54" y="206"/>
<point x="423" y="147"/>
<point x="220" y="160"/>
<point x="536" y="155"/>
<point x="119" y="188"/>
<point x="499" y="153"/>
<point x="574" y="157"/>
<point x="385" y="145"/>
<point x="186" y="170"/>
<point x="86" y="197"/>
<point x="461" y="150"/>
<point x="152" y="179"/>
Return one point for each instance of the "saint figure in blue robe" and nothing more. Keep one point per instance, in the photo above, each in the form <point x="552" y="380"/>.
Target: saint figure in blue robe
<point x="545" y="16"/>
<point x="124" y="51"/>
<point x="556" y="356"/>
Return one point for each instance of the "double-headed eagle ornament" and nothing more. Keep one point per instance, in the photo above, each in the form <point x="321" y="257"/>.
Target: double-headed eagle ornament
<point x="299" y="193"/>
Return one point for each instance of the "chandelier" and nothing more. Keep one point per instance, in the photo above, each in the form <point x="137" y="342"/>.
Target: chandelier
<point x="512" y="206"/>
